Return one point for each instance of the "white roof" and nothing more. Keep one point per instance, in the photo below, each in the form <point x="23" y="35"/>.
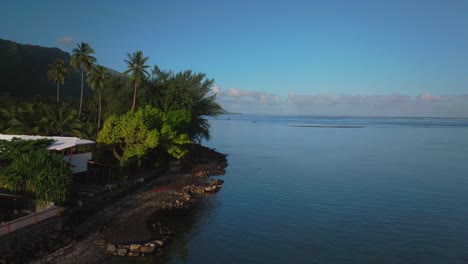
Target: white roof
<point x="60" y="143"/>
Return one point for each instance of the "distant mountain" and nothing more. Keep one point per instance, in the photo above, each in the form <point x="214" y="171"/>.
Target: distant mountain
<point x="226" y="112"/>
<point x="23" y="71"/>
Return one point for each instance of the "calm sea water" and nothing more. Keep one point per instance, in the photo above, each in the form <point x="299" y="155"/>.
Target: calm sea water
<point x="378" y="190"/>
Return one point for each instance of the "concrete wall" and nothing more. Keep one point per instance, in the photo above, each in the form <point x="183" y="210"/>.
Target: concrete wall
<point x="26" y="235"/>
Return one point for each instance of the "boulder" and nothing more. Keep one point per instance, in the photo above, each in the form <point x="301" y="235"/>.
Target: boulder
<point x="122" y="252"/>
<point x="135" y="247"/>
<point x="159" y="243"/>
<point x="147" y="249"/>
<point x="111" y="248"/>
<point x="216" y="182"/>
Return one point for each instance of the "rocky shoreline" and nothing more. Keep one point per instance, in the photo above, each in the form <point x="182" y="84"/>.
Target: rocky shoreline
<point x="122" y="229"/>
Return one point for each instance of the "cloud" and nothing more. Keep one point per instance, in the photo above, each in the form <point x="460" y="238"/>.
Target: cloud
<point x="431" y="98"/>
<point x="335" y="99"/>
<point x="339" y="104"/>
<point x="66" y="41"/>
<point x="240" y="94"/>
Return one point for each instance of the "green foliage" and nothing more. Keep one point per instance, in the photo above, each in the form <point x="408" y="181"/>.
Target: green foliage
<point x="12" y="149"/>
<point x="116" y="95"/>
<point x="134" y="134"/>
<point x="62" y="120"/>
<point x="131" y="135"/>
<point x="25" y="118"/>
<point x="40" y="117"/>
<point x="172" y="137"/>
<point x="185" y="90"/>
<point x="178" y="103"/>
<point x="26" y="166"/>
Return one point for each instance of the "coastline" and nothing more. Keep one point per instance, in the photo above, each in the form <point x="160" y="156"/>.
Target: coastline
<point x="122" y="228"/>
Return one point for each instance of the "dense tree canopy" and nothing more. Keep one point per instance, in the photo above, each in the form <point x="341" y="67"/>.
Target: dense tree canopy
<point x="135" y="133"/>
<point x="176" y="107"/>
<point x="189" y="91"/>
<point x="40" y="117"/>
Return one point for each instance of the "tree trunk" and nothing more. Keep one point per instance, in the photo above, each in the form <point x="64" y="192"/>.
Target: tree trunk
<point x="58" y="92"/>
<point x="134" y="97"/>
<point x="81" y="95"/>
<point x="99" y="114"/>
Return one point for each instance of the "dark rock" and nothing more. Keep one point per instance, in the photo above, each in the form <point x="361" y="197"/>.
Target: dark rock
<point x="147" y="249"/>
<point x="122" y="252"/>
<point x="111" y="248"/>
<point x="135" y="247"/>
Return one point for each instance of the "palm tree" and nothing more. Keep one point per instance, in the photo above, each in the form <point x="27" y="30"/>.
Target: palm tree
<point x="136" y="67"/>
<point x="63" y="121"/>
<point x="82" y="59"/>
<point x="57" y="73"/>
<point x="96" y="79"/>
<point x="27" y="118"/>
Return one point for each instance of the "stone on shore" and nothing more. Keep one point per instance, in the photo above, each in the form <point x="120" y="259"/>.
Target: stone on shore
<point x="159" y="243"/>
<point x="148" y="248"/>
<point x="122" y="252"/>
<point x="135" y="247"/>
<point x="111" y="248"/>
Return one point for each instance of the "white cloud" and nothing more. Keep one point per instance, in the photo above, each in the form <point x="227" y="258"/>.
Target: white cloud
<point x="425" y="104"/>
<point x="333" y="99"/>
<point x="430" y="98"/>
<point x="239" y="94"/>
<point x="65" y="41"/>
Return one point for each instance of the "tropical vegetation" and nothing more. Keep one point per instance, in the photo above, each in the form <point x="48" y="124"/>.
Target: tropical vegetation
<point x="28" y="168"/>
<point x="145" y="115"/>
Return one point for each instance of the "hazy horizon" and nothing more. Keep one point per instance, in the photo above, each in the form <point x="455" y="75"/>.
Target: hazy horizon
<point x="399" y="58"/>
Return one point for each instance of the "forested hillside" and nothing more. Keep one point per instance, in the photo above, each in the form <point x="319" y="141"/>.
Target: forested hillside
<point x="23" y="71"/>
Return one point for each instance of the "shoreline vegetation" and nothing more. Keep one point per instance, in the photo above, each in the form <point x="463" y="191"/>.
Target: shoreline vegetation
<point x="143" y="120"/>
<point x="127" y="227"/>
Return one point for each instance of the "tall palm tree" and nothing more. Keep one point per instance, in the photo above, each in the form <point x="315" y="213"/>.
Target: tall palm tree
<point x="57" y="73"/>
<point x="136" y="67"/>
<point x="96" y="79"/>
<point x="82" y="59"/>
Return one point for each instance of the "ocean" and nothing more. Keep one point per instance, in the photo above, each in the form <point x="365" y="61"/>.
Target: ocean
<point x="330" y="190"/>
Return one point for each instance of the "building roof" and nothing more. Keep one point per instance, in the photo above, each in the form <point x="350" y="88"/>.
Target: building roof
<point x="60" y="143"/>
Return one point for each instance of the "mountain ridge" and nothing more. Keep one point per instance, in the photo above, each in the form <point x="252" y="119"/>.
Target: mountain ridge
<point x="24" y="67"/>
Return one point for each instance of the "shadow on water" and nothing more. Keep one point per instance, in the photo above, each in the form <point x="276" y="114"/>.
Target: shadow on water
<point x="185" y="222"/>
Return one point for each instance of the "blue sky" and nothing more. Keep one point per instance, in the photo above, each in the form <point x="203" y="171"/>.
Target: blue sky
<point x="350" y="57"/>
